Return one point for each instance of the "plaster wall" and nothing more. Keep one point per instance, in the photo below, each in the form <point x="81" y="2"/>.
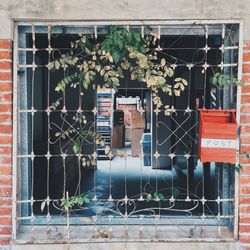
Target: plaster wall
<point x="123" y="10"/>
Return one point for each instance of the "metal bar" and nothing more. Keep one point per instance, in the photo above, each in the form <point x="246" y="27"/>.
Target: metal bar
<point x="238" y="114"/>
<point x="15" y="135"/>
<point x="179" y="132"/>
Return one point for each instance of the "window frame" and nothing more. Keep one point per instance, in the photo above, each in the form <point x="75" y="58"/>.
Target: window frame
<point x="15" y="177"/>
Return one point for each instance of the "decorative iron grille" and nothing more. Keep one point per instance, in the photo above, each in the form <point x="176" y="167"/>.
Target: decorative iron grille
<point x="161" y="193"/>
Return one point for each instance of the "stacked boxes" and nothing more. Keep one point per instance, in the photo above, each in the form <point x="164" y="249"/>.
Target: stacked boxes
<point x="118" y="134"/>
<point x="137" y="130"/>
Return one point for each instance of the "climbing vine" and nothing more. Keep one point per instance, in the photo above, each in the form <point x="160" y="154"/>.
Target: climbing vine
<point x="122" y="53"/>
<point x="89" y="65"/>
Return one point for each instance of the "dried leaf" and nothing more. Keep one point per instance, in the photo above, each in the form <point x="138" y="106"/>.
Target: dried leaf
<point x="43" y="205"/>
<point x="107" y="150"/>
<point x="163" y="62"/>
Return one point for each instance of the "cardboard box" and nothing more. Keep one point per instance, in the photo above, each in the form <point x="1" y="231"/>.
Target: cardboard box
<point x="118" y="136"/>
<point x="127" y="134"/>
<point x="136" y="135"/>
<point x="137" y="119"/>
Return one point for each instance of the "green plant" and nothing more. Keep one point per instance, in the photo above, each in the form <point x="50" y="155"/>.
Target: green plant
<point x="122" y="53"/>
<point x="223" y="80"/>
<point x="76" y="200"/>
<point x="68" y="203"/>
<point x="154" y="196"/>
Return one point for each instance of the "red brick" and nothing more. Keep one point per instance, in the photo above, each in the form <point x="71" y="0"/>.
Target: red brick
<point x="245" y="170"/>
<point x="5" y="107"/>
<point x="5" y="86"/>
<point x="5" y="220"/>
<point x="246" y="56"/>
<point x="245" y="78"/>
<point x="6" y="55"/>
<point x="5" y="170"/>
<point x="245" y="89"/>
<point x="5" y="230"/>
<point x="245" y="180"/>
<point x="244" y="228"/>
<point x="5" y="44"/>
<point x="5" y="150"/>
<point x="245" y="139"/>
<point x="245" y="209"/>
<point x="5" y="241"/>
<point x="244" y="119"/>
<point x="5" y="202"/>
<point x="244" y="200"/>
<point x="5" y="191"/>
<point x="5" y="65"/>
<point x="5" y="139"/>
<point x="245" y="190"/>
<point x="5" y="180"/>
<point x="5" y="129"/>
<point x="6" y="97"/>
<point x="245" y="159"/>
<point x="244" y="219"/>
<point x="5" y="211"/>
<point x="245" y="68"/>
<point x="245" y="129"/>
<point x="245" y="99"/>
<point x="244" y="238"/>
<point x="5" y="76"/>
<point x="5" y="160"/>
<point x="5" y="117"/>
<point x="245" y="108"/>
<point x="246" y="46"/>
<point x="244" y="149"/>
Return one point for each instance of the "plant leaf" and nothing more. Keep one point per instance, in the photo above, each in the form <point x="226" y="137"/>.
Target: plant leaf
<point x="57" y="64"/>
<point x="43" y="205"/>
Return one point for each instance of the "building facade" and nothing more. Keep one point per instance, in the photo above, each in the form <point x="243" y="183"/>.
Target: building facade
<point x="212" y="25"/>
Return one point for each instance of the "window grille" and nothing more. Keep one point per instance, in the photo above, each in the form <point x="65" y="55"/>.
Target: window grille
<point x="175" y="196"/>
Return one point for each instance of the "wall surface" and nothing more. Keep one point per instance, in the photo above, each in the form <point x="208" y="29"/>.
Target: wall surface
<point x="130" y="9"/>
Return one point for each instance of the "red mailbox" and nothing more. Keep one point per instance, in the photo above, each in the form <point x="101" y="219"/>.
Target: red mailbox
<point x="217" y="136"/>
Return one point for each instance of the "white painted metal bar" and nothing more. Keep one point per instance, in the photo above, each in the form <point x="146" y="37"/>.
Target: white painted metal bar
<point x="15" y="134"/>
<point x="238" y="114"/>
<point x="180" y="132"/>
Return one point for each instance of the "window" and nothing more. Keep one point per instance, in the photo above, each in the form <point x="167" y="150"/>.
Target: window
<point x="153" y="183"/>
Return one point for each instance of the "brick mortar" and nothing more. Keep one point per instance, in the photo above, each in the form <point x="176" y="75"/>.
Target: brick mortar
<point x="6" y="85"/>
<point x="244" y="187"/>
<point x="241" y="214"/>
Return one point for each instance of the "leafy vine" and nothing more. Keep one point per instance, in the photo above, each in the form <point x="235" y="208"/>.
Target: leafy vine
<point x="120" y="53"/>
<point x="89" y="64"/>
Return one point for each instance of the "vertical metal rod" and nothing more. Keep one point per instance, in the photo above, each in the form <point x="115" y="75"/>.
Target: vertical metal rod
<point x="48" y="130"/>
<point x="32" y="128"/>
<point x="205" y="67"/>
<point x="238" y="114"/>
<point x="14" y="148"/>
<point x="68" y="223"/>
<point x="110" y="179"/>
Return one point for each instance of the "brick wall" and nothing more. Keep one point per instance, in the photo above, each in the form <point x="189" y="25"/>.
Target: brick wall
<point x="244" y="206"/>
<point x="5" y="140"/>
